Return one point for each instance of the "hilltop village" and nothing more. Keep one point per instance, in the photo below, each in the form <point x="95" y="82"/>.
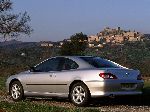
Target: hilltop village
<point x="108" y="35"/>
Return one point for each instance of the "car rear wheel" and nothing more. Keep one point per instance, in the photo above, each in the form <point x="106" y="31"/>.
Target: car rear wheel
<point x="79" y="94"/>
<point x="16" y="91"/>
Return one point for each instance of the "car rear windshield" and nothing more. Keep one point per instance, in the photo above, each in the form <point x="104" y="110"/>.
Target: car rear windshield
<point x="99" y="62"/>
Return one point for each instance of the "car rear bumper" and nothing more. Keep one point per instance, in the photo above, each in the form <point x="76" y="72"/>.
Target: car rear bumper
<point x="114" y="88"/>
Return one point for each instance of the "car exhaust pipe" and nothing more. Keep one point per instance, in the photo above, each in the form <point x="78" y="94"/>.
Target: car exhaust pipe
<point x="111" y="96"/>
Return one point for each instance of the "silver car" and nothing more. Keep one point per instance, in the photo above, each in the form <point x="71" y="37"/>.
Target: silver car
<point x="78" y="78"/>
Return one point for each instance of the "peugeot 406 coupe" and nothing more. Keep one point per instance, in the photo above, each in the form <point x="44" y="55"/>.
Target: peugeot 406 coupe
<point x="78" y="78"/>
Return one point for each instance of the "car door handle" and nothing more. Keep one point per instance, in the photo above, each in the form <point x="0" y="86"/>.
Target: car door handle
<point x="50" y="75"/>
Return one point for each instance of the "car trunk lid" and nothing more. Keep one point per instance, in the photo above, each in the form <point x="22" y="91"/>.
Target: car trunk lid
<point x="122" y="73"/>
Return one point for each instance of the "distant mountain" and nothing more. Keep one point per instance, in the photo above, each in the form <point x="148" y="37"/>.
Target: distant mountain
<point x="5" y="43"/>
<point x="13" y="44"/>
<point x="147" y="36"/>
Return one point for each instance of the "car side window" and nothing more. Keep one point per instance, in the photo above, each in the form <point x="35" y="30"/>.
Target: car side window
<point x="48" y="65"/>
<point x="69" y="64"/>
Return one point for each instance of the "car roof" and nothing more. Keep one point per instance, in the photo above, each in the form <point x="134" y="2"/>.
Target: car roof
<point x="75" y="56"/>
<point x="82" y="64"/>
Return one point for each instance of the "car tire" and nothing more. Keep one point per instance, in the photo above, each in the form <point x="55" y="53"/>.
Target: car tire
<point x="16" y="91"/>
<point x="79" y="94"/>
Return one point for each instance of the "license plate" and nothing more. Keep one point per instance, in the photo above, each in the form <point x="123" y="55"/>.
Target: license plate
<point x="128" y="86"/>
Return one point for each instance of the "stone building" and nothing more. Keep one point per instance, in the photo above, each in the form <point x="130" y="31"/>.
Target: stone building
<point x="132" y="36"/>
<point x="92" y="38"/>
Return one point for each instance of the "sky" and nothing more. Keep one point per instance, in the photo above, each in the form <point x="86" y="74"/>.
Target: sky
<point x="55" y="20"/>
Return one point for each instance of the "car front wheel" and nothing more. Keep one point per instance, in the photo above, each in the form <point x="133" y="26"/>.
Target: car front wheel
<point x="16" y="91"/>
<point x="79" y="94"/>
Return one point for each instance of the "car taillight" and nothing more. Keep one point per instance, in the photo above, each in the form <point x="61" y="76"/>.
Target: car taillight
<point x="107" y="76"/>
<point x="139" y="77"/>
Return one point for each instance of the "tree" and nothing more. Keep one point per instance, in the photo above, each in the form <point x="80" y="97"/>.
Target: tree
<point x="76" y="46"/>
<point x="12" y="25"/>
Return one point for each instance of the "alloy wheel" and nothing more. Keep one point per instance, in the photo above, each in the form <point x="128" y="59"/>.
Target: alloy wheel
<point x="15" y="91"/>
<point x="78" y="94"/>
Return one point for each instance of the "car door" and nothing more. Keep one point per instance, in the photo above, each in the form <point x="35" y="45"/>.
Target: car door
<point x="41" y="80"/>
<point x="68" y="69"/>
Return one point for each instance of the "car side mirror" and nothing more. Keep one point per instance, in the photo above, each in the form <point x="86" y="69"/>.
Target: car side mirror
<point x="32" y="69"/>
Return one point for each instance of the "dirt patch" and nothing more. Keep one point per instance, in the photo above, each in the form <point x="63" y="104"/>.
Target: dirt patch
<point x="1" y="110"/>
<point x="124" y="104"/>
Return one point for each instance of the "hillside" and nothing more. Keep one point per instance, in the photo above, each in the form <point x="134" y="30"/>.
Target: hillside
<point x="133" y="55"/>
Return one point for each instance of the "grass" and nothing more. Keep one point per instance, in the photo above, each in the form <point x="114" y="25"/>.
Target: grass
<point x="26" y="106"/>
<point x="2" y="86"/>
<point x="146" y="90"/>
<point x="147" y="84"/>
<point x="2" y="83"/>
